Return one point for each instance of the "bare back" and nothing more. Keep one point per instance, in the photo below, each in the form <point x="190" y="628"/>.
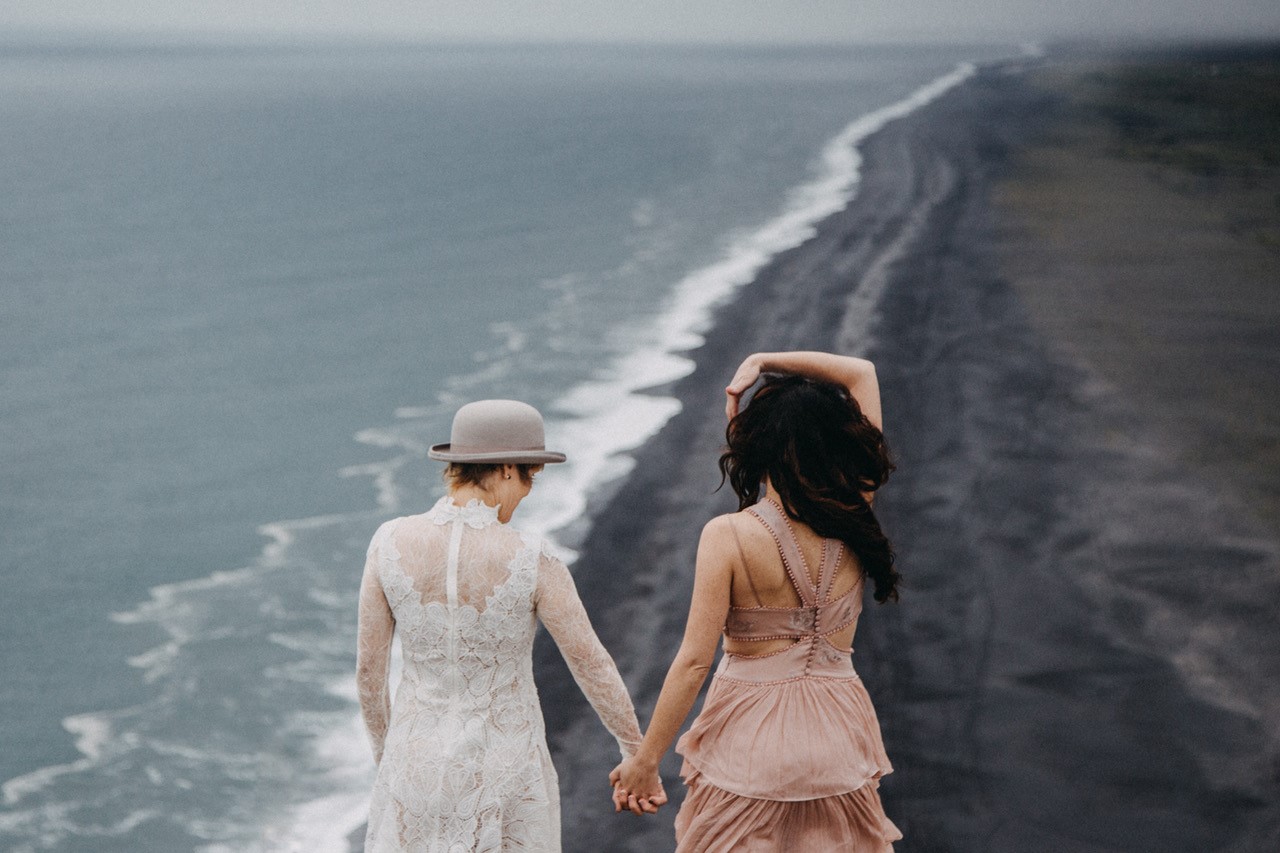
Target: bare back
<point x="760" y="579"/>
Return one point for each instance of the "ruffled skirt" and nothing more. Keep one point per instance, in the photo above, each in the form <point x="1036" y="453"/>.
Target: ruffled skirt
<point x="712" y="820"/>
<point x="789" y="765"/>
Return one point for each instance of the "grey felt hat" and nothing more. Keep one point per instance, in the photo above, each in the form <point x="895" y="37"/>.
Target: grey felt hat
<point x="496" y="431"/>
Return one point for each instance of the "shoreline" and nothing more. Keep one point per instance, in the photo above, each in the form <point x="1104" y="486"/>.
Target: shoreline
<point x="1030" y="687"/>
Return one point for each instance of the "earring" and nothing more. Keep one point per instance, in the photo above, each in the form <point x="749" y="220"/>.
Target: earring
<point x="506" y="476"/>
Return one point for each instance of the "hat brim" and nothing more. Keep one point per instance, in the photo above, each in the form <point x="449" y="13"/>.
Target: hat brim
<point x="516" y="457"/>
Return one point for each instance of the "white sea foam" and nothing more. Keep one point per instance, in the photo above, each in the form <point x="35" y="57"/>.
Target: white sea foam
<point x="92" y="737"/>
<point x="383" y="475"/>
<point x="325" y="823"/>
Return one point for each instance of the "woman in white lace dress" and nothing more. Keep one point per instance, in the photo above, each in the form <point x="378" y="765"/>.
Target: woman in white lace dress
<point x="462" y="754"/>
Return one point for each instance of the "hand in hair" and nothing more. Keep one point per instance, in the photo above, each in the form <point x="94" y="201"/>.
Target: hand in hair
<point x="745" y="376"/>
<point x="856" y="374"/>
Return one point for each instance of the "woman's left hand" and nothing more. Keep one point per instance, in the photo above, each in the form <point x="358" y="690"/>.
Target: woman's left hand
<point x="637" y="787"/>
<point x="743" y="378"/>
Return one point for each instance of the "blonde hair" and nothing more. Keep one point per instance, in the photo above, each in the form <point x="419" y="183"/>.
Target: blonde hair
<point x="475" y="473"/>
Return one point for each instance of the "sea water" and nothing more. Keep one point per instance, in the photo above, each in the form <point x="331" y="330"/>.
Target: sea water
<point x="244" y="288"/>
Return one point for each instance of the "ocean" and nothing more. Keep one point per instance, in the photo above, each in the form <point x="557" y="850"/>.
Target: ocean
<point x="244" y="287"/>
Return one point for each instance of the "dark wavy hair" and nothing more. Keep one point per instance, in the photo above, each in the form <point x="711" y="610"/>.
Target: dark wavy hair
<point x="822" y="455"/>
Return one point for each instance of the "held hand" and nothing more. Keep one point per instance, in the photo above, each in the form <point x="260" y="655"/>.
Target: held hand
<point x="745" y="376"/>
<point x="622" y="799"/>
<point x="637" y="787"/>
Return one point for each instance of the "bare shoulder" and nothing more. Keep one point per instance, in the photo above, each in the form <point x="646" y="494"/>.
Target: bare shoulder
<point x="719" y="526"/>
<point x="736" y="530"/>
<point x="717" y="543"/>
<point x="727" y="527"/>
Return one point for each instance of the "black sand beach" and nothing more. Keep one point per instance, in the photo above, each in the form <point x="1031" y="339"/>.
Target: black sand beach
<point x="1078" y="352"/>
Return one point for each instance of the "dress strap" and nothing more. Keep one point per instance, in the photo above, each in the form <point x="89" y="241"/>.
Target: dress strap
<point x="779" y="526"/>
<point x="742" y="558"/>
<point x="832" y="551"/>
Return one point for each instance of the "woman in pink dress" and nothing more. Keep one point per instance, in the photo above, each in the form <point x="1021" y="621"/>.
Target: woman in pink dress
<point x="786" y="754"/>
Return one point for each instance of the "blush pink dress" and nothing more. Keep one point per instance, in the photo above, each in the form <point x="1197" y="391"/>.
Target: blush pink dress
<point x="786" y="754"/>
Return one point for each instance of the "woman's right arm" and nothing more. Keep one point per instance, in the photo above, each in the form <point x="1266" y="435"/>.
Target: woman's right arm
<point x="856" y="374"/>
<point x="713" y="575"/>
<point x="373" y="653"/>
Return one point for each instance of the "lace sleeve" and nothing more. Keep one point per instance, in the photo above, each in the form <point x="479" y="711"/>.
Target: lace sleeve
<point x="562" y="612"/>
<point x="373" y="651"/>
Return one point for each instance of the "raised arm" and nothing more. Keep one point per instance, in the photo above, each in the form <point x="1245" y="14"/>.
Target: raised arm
<point x="856" y="374"/>
<point x="561" y="610"/>
<point x="373" y="652"/>
<point x="713" y="575"/>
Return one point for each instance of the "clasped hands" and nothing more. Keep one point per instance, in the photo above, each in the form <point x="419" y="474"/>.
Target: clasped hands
<point x="637" y="787"/>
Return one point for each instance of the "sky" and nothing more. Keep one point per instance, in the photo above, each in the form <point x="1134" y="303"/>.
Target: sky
<point x="715" y="21"/>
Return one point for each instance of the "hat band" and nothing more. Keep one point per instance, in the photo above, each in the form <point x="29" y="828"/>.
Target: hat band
<point x="471" y="448"/>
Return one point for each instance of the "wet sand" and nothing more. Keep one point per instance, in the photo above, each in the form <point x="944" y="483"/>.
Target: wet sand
<point x="1084" y="658"/>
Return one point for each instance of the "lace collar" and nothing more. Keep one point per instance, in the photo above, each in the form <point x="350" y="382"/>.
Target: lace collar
<point x="475" y="514"/>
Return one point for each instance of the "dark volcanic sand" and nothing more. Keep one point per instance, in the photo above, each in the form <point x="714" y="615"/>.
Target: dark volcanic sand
<point x="1084" y="657"/>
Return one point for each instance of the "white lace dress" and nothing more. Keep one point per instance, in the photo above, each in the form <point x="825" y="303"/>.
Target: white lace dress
<point x="462" y="754"/>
